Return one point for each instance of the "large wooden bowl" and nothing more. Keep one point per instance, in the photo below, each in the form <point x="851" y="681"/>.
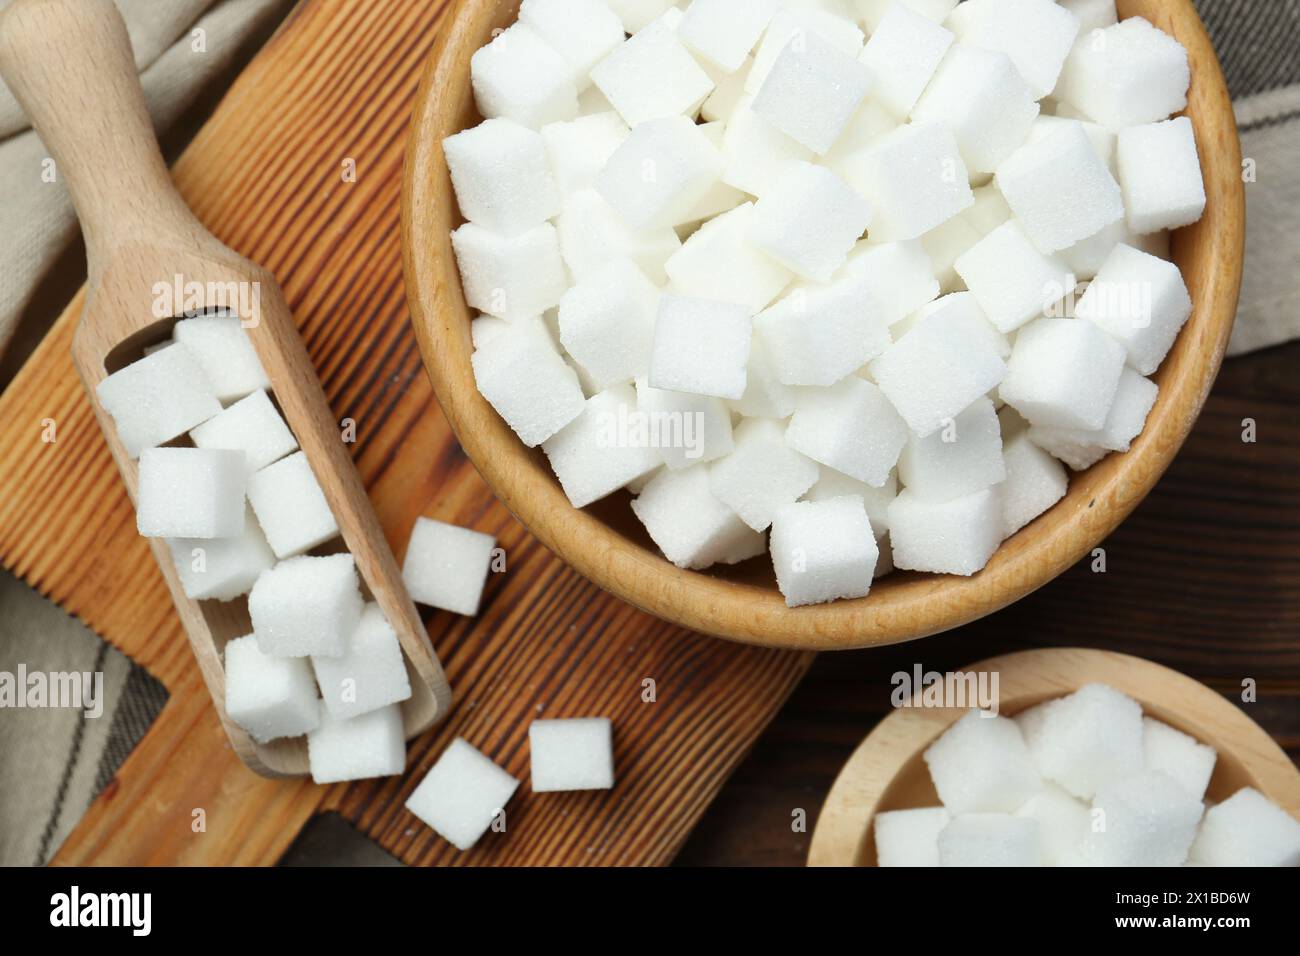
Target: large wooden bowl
<point x="887" y="771"/>
<point x="607" y="544"/>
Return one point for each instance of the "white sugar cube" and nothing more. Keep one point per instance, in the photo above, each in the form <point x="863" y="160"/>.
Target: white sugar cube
<point x="914" y="179"/>
<point x="270" y="697"/>
<point x="636" y="14"/>
<point x="510" y="276"/>
<point x="601" y="450"/>
<point x="1126" y="74"/>
<point x="721" y="197"/>
<point x="1063" y="373"/>
<point x="573" y="754"/>
<point x="306" y="605"/>
<point x="502" y="176"/>
<point x="446" y="566"/>
<point x="519" y="76"/>
<point x="937" y="369"/>
<point x="486" y="327"/>
<point x="963" y="313"/>
<point x="157" y="398"/>
<point x="720" y="262"/>
<point x="726" y="96"/>
<point x="761" y="474"/>
<point x="811" y="91"/>
<point x="525" y="379"/>
<point x="904" y="51"/>
<point x="899" y="275"/>
<point x="985" y="101"/>
<point x="793" y="23"/>
<point x="687" y="429"/>
<point x="756" y="151"/>
<point x="1035" y="481"/>
<point x="823" y="550"/>
<point x="945" y="244"/>
<point x="1085" y="258"/>
<point x="1086" y="739"/>
<point x="809" y="221"/>
<point x="981" y="764"/>
<point x="583" y="32"/>
<point x="1013" y="281"/>
<point x="1247" y="829"/>
<point x="990" y="839"/>
<point x="251" y="425"/>
<point x="1141" y="301"/>
<point x="766" y="396"/>
<point x="835" y="484"/>
<point x="959" y="459"/>
<point x="873" y="12"/>
<point x="591" y="234"/>
<point x="909" y="837"/>
<point x="462" y="794"/>
<point x="701" y="346"/>
<point x="690" y="525"/>
<point x="1092" y="14"/>
<point x="818" y="334"/>
<point x="1141" y="820"/>
<point x="1036" y="34"/>
<point x="1063" y="822"/>
<point x="868" y="125"/>
<point x="290" y="506"/>
<point x="945" y="537"/>
<point x="1183" y="759"/>
<point x="652" y="75"/>
<point x="1101" y="138"/>
<point x="724" y="32"/>
<point x="225" y="352"/>
<point x="660" y="172"/>
<point x="359" y="748"/>
<point x="851" y="427"/>
<point x="1081" y="448"/>
<point x="1161" y="175"/>
<point x="1060" y="189"/>
<point x="607" y="323"/>
<point x="190" y="493"/>
<point x="989" y="210"/>
<point x="578" y="150"/>
<point x="221" y="569"/>
<point x="371" y="673"/>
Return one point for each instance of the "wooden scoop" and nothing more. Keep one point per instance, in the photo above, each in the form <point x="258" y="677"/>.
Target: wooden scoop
<point x="69" y="63"/>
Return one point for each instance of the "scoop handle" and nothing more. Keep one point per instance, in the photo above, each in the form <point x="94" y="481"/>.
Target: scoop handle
<point x="69" y="64"/>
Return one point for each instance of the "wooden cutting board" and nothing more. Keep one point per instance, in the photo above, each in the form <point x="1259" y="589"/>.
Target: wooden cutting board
<point x="332" y="92"/>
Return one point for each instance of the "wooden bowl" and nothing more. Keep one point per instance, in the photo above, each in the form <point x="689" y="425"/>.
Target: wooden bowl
<point x="608" y="545"/>
<point x="886" y="772"/>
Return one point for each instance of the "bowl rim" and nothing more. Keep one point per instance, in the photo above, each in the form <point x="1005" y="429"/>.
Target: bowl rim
<point x="900" y="607"/>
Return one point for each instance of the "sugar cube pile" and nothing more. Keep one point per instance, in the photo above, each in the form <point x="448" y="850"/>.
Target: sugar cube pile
<point x="788" y="271"/>
<point x="1081" y="780"/>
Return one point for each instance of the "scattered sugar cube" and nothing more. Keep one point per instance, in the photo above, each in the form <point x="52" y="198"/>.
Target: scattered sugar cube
<point x="687" y="429"/>
<point x="519" y="76"/>
<point x="1085" y="258"/>
<point x="251" y="425"/>
<point x="1063" y="373"/>
<point x="959" y="459"/>
<point x="1086" y="739"/>
<point x="1060" y="189"/>
<point x="510" y="276"/>
<point x="225" y="352"/>
<point x="1141" y="301"/>
<point x="851" y="427"/>
<point x="835" y="484"/>
<point x="502" y="177"/>
<point x="720" y="262"/>
<point x="757" y="153"/>
<point x="909" y="837"/>
<point x="765" y="395"/>
<point x="899" y="275"/>
<point x="592" y="234"/>
<point x="1126" y="74"/>
<point x="607" y="323"/>
<point x="989" y="210"/>
<point x="1183" y="759"/>
<point x="652" y="75"/>
<point x="1247" y="829"/>
<point x="981" y="96"/>
<point x="660" y="173"/>
<point x="190" y="493"/>
<point x="823" y="550"/>
<point x="601" y="451"/>
<point x="865" y="128"/>
<point x="370" y="674"/>
<point x="990" y="839"/>
<point x="270" y="697"/>
<point x="573" y="754"/>
<point x="1035" y="481"/>
<point x="981" y="764"/>
<point x="291" y="507"/>
<point x="811" y="91"/>
<point x="525" y="379"/>
<point x="725" y="31"/>
<point x="947" y="243"/>
<point x="1012" y="280"/>
<point x="914" y="179"/>
<point x="726" y="96"/>
<point x="693" y="528"/>
<point x="1161" y="174"/>
<point x="800" y="23"/>
<point x="359" y="748"/>
<point x="157" y="398"/>
<point x="446" y="566"/>
<point x="1063" y="822"/>
<point x="1141" y="820"/>
<point x="578" y="150"/>
<point x="1036" y="34"/>
<point x="306" y="606"/>
<point x="462" y="794"/>
<point x="945" y="537"/>
<point x="700" y="346"/>
<point x="636" y="14"/>
<point x="720" y="198"/>
<point x="583" y="32"/>
<point x="1082" y="449"/>
<point x="818" y="334"/>
<point x="762" y="473"/>
<point x="221" y="569"/>
<point x="809" y="221"/>
<point x="873" y="12"/>
<point x="904" y="51"/>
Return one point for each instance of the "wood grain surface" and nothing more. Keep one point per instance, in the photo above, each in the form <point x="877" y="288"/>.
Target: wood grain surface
<point x="333" y="88"/>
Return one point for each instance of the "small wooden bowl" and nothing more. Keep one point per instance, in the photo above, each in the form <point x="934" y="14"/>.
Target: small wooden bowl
<point x="608" y="545"/>
<point x="887" y="771"/>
